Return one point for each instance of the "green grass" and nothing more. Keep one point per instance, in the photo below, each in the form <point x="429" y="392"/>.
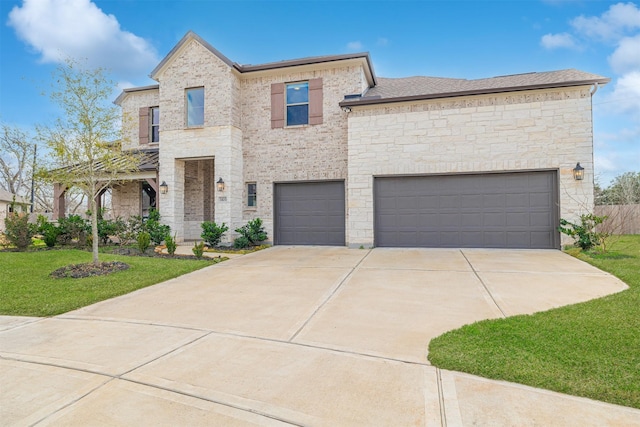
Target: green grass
<point x="590" y="349"/>
<point x="26" y="289"/>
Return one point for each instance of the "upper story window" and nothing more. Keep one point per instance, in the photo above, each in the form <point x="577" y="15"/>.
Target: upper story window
<point x="294" y="104"/>
<point x="155" y="124"/>
<point x="195" y="107"/>
<point x="297" y="104"/>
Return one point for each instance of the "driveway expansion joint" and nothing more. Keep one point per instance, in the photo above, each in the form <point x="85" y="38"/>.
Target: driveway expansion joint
<point x="484" y="285"/>
<point x="328" y="298"/>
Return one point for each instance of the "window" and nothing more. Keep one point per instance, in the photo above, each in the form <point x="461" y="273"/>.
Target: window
<point x="251" y="194"/>
<point x="195" y="107"/>
<point x="155" y="124"/>
<point x="297" y="104"/>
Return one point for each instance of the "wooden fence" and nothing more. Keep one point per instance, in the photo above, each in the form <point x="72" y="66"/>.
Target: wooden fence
<point x="622" y="219"/>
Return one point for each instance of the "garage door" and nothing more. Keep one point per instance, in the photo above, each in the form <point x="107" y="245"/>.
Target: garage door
<point x="503" y="210"/>
<point x="309" y="213"/>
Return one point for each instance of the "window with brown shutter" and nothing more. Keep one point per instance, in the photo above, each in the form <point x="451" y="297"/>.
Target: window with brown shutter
<point x="143" y="128"/>
<point x="295" y="104"/>
<point x="277" y="105"/>
<point x="315" y="101"/>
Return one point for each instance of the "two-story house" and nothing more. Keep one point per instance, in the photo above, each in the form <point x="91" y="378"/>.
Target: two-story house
<point x="326" y="153"/>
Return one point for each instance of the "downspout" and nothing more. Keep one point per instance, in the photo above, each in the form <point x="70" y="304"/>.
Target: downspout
<point x="594" y="89"/>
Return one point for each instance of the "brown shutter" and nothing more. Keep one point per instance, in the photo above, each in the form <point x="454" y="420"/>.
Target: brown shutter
<point x="277" y="105"/>
<point x="143" y="131"/>
<point x="315" y="101"/>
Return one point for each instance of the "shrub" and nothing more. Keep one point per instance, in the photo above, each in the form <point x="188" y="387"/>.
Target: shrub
<point x="198" y="249"/>
<point x="171" y="244"/>
<point x="584" y="234"/>
<point x="127" y="231"/>
<point x="109" y="227"/>
<point x="212" y="232"/>
<point x="251" y="234"/>
<point x="241" y="242"/>
<point x="73" y="227"/>
<point x="143" y="240"/>
<point x="157" y="231"/>
<point x="18" y="230"/>
<point x="48" y="230"/>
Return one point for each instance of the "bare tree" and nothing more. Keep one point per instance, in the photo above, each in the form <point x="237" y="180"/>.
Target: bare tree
<point x="86" y="141"/>
<point x="16" y="159"/>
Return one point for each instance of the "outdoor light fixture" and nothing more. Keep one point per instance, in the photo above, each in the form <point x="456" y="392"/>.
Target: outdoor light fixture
<point x="578" y="172"/>
<point x="164" y="188"/>
<point x="220" y="184"/>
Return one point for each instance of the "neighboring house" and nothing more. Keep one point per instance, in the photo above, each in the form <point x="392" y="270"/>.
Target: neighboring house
<point x="326" y="153"/>
<point x="6" y="200"/>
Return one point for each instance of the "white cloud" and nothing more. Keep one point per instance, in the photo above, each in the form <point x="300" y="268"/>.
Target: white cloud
<point x="355" y="45"/>
<point x="626" y="94"/>
<point x="383" y="41"/>
<point x="613" y="24"/>
<point x="626" y="57"/>
<point x="555" y="41"/>
<point x="58" y="29"/>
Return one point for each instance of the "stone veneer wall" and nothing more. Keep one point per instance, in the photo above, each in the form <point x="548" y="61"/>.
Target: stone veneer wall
<point x="130" y="110"/>
<point x="542" y="129"/>
<point x="219" y="139"/>
<point x="125" y="199"/>
<point x="301" y="153"/>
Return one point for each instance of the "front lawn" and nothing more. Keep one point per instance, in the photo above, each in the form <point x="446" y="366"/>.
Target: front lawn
<point x="26" y="289"/>
<point x="590" y="349"/>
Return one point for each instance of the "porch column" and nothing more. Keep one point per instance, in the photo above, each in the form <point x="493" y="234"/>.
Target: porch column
<point x="59" y="207"/>
<point x="99" y="200"/>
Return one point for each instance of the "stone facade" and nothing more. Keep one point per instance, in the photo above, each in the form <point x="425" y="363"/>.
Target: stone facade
<point x="542" y="129"/>
<point x="530" y="130"/>
<point x="130" y="109"/>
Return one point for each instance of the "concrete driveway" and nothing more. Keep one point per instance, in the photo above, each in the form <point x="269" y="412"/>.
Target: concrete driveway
<point x="308" y="336"/>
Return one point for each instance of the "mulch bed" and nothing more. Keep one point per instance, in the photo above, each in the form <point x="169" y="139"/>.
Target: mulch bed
<point x="77" y="271"/>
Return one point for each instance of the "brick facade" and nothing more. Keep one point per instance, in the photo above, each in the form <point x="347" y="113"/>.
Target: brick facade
<point x="538" y="129"/>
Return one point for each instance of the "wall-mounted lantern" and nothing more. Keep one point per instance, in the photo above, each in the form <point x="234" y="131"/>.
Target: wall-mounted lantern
<point x="220" y="184"/>
<point x="164" y="188"/>
<point x="578" y="172"/>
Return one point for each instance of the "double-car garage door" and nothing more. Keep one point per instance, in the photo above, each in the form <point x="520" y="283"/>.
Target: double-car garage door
<point x="491" y="210"/>
<point x="498" y="210"/>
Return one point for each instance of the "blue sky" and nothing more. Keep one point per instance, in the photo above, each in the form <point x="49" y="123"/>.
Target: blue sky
<point x="462" y="39"/>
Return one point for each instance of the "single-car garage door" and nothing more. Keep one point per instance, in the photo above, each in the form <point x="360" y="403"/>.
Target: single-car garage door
<point x="309" y="213"/>
<point x="496" y="210"/>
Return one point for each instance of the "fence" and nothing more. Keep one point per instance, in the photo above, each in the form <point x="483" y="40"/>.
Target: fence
<point x="622" y="219"/>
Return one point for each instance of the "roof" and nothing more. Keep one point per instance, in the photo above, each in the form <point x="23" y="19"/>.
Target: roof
<point x="148" y="161"/>
<point x="190" y="35"/>
<point x="418" y="88"/>
<point x="6" y="196"/>
<point x="124" y="93"/>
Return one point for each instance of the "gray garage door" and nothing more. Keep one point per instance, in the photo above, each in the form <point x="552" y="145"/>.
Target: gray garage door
<point x="309" y="213"/>
<point x="503" y="210"/>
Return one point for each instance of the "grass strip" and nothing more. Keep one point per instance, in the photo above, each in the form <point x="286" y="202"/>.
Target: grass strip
<point x="27" y="289"/>
<point x="591" y="349"/>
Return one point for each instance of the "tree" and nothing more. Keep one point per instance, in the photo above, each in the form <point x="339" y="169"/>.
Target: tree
<point x="16" y="157"/>
<point x="624" y="190"/>
<point x="86" y="141"/>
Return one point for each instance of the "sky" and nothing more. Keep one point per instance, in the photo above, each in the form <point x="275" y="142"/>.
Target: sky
<point x="460" y="39"/>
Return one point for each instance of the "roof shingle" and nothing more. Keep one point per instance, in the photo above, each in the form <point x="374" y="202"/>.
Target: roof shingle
<point x="418" y="87"/>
